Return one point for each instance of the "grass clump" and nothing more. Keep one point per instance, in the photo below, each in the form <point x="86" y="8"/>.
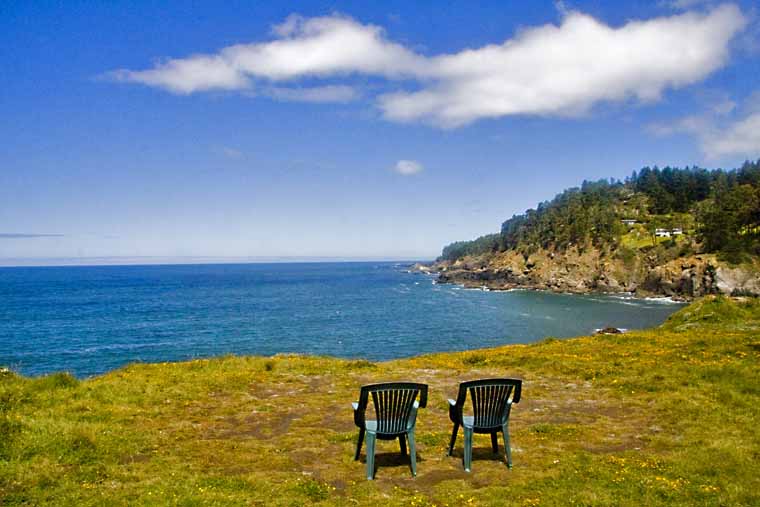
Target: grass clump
<point x="475" y="359"/>
<point x="315" y="491"/>
<point x="667" y="416"/>
<point x="720" y="310"/>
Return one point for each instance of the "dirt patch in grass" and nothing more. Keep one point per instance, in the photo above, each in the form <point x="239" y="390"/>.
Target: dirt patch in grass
<point x="256" y="426"/>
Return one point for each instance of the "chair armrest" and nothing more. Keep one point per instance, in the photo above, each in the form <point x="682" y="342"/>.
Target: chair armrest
<point x="413" y="416"/>
<point x="507" y="411"/>
<point x="454" y="413"/>
<point x="358" y="416"/>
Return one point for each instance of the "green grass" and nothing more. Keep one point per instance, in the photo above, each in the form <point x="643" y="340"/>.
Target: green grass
<point x="668" y="416"/>
<point x="637" y="240"/>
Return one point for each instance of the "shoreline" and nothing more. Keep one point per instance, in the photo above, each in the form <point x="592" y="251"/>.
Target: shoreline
<point x="620" y="295"/>
<point x="682" y="279"/>
<point x="433" y="270"/>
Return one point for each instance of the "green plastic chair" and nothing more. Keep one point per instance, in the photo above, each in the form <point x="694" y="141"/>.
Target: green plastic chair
<point x="492" y="401"/>
<point x="396" y="407"/>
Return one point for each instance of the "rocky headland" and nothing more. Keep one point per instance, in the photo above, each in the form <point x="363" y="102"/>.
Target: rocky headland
<point x="678" y="233"/>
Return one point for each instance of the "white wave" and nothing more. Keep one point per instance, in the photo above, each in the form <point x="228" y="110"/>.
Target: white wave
<point x="663" y="300"/>
<point x="118" y="346"/>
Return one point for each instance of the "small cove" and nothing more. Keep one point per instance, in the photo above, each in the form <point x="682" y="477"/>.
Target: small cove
<point x="90" y="320"/>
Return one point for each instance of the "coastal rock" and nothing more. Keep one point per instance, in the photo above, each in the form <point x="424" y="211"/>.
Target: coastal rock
<point x="737" y="281"/>
<point x="418" y="267"/>
<point x="583" y="271"/>
<point x="678" y="278"/>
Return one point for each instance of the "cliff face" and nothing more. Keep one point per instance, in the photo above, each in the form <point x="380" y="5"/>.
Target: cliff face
<point x="597" y="271"/>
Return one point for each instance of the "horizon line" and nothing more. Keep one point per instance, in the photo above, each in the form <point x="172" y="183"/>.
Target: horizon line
<point x="159" y="260"/>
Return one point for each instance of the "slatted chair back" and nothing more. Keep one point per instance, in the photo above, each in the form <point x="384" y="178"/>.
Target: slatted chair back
<point x="393" y="403"/>
<point x="489" y="399"/>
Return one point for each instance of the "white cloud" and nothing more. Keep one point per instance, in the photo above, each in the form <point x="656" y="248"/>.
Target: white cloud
<point x="752" y="102"/>
<point x="324" y="46"/>
<point x="689" y="124"/>
<point x="188" y="75"/>
<point x="724" y="107"/>
<point x="320" y="47"/>
<point x="545" y="70"/>
<point x="408" y="167"/>
<point x="317" y="94"/>
<point x="229" y="152"/>
<point x="719" y="133"/>
<point x="565" y="70"/>
<point x="26" y="235"/>
<point x="684" y="4"/>
<point x="740" y="138"/>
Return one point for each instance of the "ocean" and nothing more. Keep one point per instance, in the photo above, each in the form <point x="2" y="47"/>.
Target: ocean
<point x="89" y="320"/>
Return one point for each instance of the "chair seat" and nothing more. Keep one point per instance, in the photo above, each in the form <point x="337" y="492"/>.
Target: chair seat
<point x="371" y="427"/>
<point x="469" y="423"/>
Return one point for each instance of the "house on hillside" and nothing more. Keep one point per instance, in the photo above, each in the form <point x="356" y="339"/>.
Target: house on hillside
<point x="666" y="233"/>
<point x="662" y="233"/>
<point x="629" y="221"/>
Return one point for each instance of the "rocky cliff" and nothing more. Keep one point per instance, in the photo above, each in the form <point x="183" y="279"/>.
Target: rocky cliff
<point x="592" y="270"/>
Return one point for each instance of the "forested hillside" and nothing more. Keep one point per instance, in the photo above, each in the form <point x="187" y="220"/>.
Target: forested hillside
<point x="695" y="210"/>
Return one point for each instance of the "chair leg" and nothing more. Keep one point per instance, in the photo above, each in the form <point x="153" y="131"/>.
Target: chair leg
<point x="507" y="449"/>
<point x="359" y="443"/>
<point x="494" y="443"/>
<point x="467" y="449"/>
<point x="402" y="444"/>
<point x="412" y="453"/>
<point x="453" y="438"/>
<point x="371" y="438"/>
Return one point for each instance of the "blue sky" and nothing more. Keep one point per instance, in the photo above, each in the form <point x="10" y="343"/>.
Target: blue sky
<point x="318" y="129"/>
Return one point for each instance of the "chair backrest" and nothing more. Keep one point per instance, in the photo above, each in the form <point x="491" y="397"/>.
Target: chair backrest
<point x="393" y="403"/>
<point x="490" y="398"/>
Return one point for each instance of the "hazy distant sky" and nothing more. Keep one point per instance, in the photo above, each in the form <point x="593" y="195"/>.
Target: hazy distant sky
<point x="243" y="128"/>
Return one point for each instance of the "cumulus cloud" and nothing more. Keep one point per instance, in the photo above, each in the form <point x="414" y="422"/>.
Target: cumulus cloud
<point x="565" y="70"/>
<point x="318" y="47"/>
<point x="547" y="70"/>
<point x="408" y="167"/>
<point x="188" y="75"/>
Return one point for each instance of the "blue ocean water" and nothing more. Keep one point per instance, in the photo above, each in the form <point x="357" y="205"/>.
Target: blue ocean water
<point x="89" y="320"/>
